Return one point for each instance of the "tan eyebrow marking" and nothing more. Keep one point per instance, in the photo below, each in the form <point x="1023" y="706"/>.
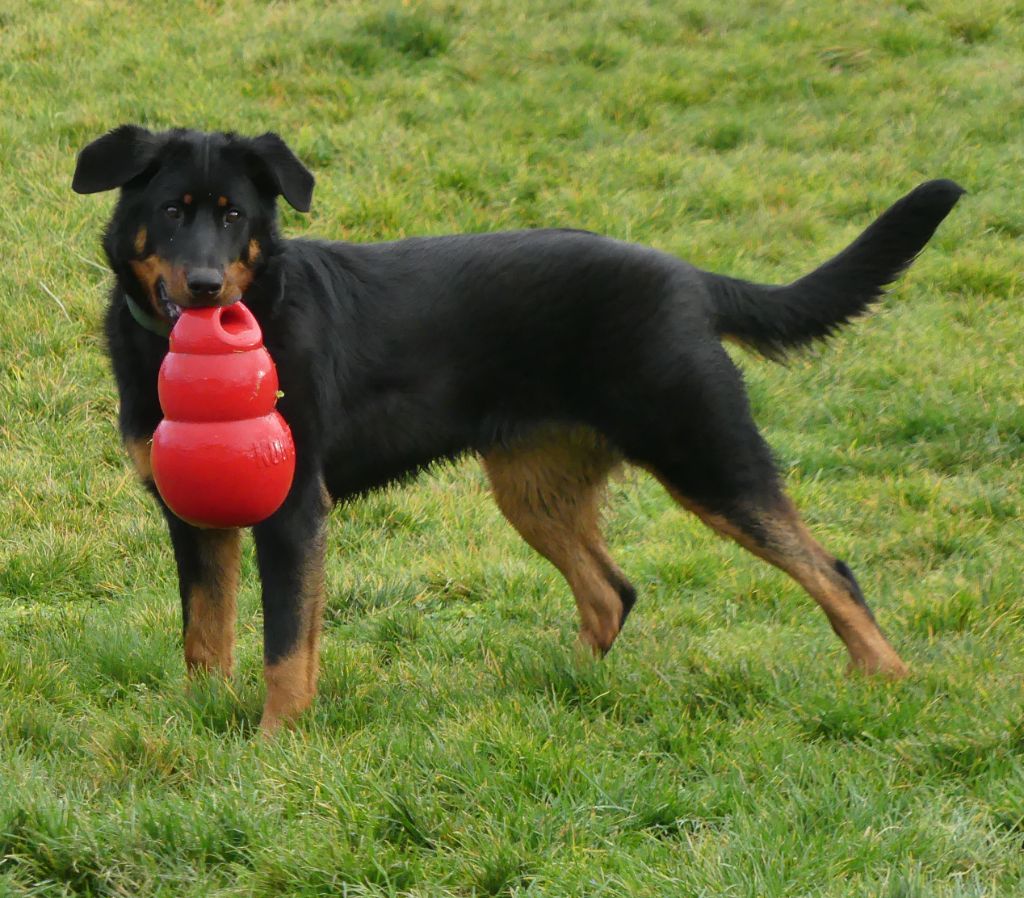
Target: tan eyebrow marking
<point x="187" y="199"/>
<point x="222" y="201"/>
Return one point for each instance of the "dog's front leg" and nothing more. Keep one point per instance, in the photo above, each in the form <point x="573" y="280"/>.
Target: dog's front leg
<point x="208" y="562"/>
<point x="290" y="554"/>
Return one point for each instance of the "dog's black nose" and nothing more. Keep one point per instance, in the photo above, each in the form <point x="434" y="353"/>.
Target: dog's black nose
<point x="204" y="283"/>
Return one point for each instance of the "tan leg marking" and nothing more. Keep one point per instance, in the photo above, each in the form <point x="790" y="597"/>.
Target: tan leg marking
<point x="291" y="682"/>
<point x="550" y="489"/>
<point x="789" y="546"/>
<point x="139" y="452"/>
<point x="210" y="631"/>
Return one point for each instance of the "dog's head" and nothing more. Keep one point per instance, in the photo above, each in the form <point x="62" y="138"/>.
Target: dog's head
<point x="197" y="213"/>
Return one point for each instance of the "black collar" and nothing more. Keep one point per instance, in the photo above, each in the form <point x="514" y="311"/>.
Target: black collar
<point x="149" y="321"/>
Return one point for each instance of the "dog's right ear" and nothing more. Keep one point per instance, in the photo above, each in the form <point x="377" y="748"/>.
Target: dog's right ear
<point x="114" y="159"/>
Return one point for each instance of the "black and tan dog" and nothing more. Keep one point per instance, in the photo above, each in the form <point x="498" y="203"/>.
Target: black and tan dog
<point x="554" y="354"/>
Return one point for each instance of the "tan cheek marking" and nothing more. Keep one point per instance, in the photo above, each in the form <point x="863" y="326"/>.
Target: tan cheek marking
<point x="150" y="270"/>
<point x="254" y="250"/>
<point x="140" y="240"/>
<point x="237" y="278"/>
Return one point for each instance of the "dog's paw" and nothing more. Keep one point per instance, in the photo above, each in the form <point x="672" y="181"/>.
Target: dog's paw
<point x="891" y="668"/>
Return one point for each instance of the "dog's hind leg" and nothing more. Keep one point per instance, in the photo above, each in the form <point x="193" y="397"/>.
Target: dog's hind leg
<point x="706" y="450"/>
<point x="775" y="533"/>
<point x="550" y="489"/>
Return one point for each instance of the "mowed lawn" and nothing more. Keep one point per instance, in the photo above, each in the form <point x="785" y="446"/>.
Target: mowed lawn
<point x="459" y="746"/>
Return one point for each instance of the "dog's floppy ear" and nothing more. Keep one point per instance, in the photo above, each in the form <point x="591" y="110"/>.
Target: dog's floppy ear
<point x="114" y="159"/>
<point x="286" y="175"/>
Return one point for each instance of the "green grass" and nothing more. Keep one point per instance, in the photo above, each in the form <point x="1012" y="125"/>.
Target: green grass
<point x="458" y="746"/>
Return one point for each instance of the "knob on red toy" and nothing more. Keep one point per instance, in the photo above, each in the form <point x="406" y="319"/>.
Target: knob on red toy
<point x="222" y="456"/>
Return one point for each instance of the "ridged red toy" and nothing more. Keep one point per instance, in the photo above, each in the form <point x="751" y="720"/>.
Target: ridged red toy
<point x="222" y="456"/>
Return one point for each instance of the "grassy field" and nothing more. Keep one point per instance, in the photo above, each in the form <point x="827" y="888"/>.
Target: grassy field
<point x="458" y="747"/>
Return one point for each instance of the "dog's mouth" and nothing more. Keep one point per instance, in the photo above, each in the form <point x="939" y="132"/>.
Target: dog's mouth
<point x="170" y="309"/>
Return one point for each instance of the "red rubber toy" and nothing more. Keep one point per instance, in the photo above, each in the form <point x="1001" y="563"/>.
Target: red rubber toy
<point x="222" y="456"/>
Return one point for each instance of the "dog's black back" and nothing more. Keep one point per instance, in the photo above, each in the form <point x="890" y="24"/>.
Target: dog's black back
<point x="553" y="353"/>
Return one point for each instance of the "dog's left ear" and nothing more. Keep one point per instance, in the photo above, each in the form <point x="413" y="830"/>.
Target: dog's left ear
<point x="114" y="159"/>
<point x="286" y="174"/>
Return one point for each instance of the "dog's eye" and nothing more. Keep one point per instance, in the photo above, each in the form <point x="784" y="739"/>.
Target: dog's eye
<point x="231" y="216"/>
<point x="172" y="211"/>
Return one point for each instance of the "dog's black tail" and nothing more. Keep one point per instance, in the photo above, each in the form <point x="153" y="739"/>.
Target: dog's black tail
<point x="773" y="320"/>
